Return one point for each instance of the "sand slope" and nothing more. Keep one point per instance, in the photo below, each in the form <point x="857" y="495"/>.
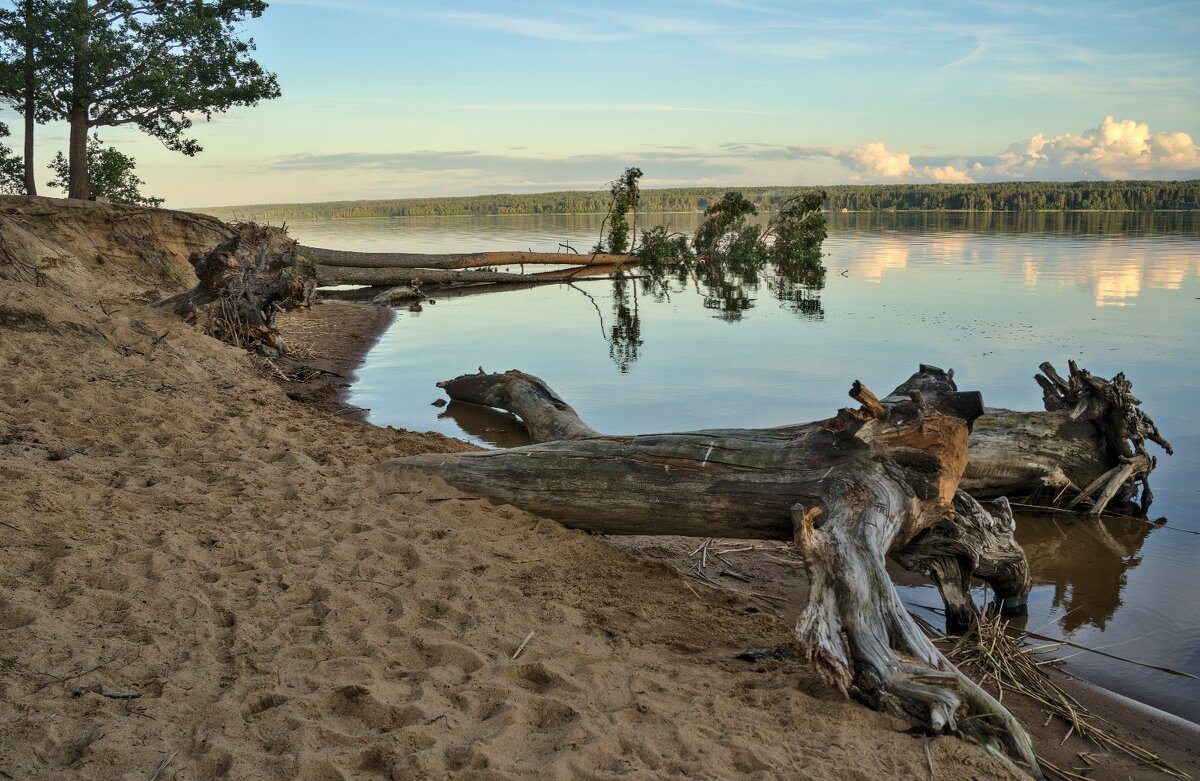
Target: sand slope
<point x="172" y="526"/>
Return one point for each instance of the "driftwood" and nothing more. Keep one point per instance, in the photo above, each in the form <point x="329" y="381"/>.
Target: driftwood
<point x="848" y="491"/>
<point x="411" y="260"/>
<point x="394" y="277"/>
<point x="243" y="283"/>
<point x="1087" y="447"/>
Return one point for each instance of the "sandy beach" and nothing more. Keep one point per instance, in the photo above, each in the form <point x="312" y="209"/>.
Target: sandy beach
<point x="206" y="576"/>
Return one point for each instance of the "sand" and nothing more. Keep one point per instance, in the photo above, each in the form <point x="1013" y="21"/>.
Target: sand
<point x="203" y="578"/>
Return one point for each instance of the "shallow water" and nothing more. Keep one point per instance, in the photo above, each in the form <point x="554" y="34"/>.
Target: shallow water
<point x="990" y="295"/>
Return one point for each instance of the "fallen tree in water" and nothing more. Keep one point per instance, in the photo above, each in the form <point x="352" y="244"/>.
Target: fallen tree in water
<point x="882" y="481"/>
<point x="847" y="491"/>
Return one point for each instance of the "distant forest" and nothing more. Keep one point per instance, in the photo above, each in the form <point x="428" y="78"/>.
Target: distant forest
<point x="1001" y="196"/>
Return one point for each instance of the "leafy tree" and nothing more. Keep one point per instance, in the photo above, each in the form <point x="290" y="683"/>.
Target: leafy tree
<point x="798" y="228"/>
<point x="25" y="57"/>
<point x="625" y="195"/>
<point x="110" y="172"/>
<point x="153" y="65"/>
<point x="724" y="222"/>
<point x="11" y="168"/>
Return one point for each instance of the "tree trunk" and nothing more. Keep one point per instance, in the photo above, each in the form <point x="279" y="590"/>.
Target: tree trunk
<point x="847" y="491"/>
<point x="30" y="87"/>
<point x="400" y="260"/>
<point x="79" y="185"/>
<point x="1092" y="434"/>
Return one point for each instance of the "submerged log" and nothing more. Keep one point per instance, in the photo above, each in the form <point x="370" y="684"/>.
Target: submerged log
<point x="243" y="283"/>
<point x="397" y="277"/>
<point x="847" y="492"/>
<point x="1092" y="434"/>
<point x="412" y="260"/>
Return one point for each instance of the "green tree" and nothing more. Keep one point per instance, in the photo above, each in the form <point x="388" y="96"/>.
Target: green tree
<point x="11" y="168"/>
<point x="152" y="65"/>
<point x="625" y="195"/>
<point x="110" y="173"/>
<point x="724" y="222"/>
<point x="24" y="59"/>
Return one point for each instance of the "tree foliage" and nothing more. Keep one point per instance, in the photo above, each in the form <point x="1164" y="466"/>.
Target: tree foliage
<point x="1004" y="197"/>
<point x="12" y="167"/>
<point x="111" y="173"/>
<point x="625" y="193"/>
<point x="155" y="66"/>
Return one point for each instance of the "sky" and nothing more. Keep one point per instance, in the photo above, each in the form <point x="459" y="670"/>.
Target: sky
<point x="397" y="99"/>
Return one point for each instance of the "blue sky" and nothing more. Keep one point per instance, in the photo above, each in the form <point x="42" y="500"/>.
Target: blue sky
<point x="389" y="99"/>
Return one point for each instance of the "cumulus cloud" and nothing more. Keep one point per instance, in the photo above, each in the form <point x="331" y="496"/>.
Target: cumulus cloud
<point x="1115" y="149"/>
<point x="874" y="159"/>
<point x="876" y="162"/>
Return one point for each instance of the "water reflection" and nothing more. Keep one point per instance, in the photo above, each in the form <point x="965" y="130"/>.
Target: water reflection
<point x="728" y="284"/>
<point x="1084" y="560"/>
<point x="625" y="338"/>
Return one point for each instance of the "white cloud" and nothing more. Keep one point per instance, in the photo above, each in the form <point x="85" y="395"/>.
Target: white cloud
<point x="875" y="161"/>
<point x="1114" y="149"/>
<point x="1123" y="149"/>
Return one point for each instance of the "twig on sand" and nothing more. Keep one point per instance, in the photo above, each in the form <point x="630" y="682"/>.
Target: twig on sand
<point x="524" y="643"/>
<point x="929" y="759"/>
<point x="163" y="765"/>
<point x="990" y="652"/>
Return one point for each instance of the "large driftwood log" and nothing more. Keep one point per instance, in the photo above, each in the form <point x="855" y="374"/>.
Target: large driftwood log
<point x="392" y="277"/>
<point x="1088" y="446"/>
<point x="847" y="491"/>
<point x="243" y="283"/>
<point x="465" y="260"/>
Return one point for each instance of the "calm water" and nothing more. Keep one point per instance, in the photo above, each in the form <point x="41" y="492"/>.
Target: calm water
<point x="989" y="295"/>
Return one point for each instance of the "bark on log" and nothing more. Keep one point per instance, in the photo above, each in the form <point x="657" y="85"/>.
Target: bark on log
<point x="243" y="283"/>
<point x="847" y="491"/>
<point x="406" y="260"/>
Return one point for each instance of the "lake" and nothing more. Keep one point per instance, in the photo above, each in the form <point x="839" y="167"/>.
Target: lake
<point x="991" y="295"/>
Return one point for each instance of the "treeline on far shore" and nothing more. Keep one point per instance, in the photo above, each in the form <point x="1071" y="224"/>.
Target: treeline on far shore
<point x="999" y="196"/>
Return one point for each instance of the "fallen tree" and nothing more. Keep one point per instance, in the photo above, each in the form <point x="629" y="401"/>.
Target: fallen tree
<point x="1087" y="448"/>
<point x="243" y="283"/>
<point x="458" y="260"/>
<point x="878" y="480"/>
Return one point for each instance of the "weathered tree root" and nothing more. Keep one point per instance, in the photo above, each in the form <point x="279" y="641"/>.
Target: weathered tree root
<point x="971" y="543"/>
<point x="847" y="491"/>
<point x="243" y="284"/>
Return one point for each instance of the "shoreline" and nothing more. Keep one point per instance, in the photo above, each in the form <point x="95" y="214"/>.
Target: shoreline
<point x="327" y="344"/>
<point x="201" y="573"/>
<point x="345" y="345"/>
